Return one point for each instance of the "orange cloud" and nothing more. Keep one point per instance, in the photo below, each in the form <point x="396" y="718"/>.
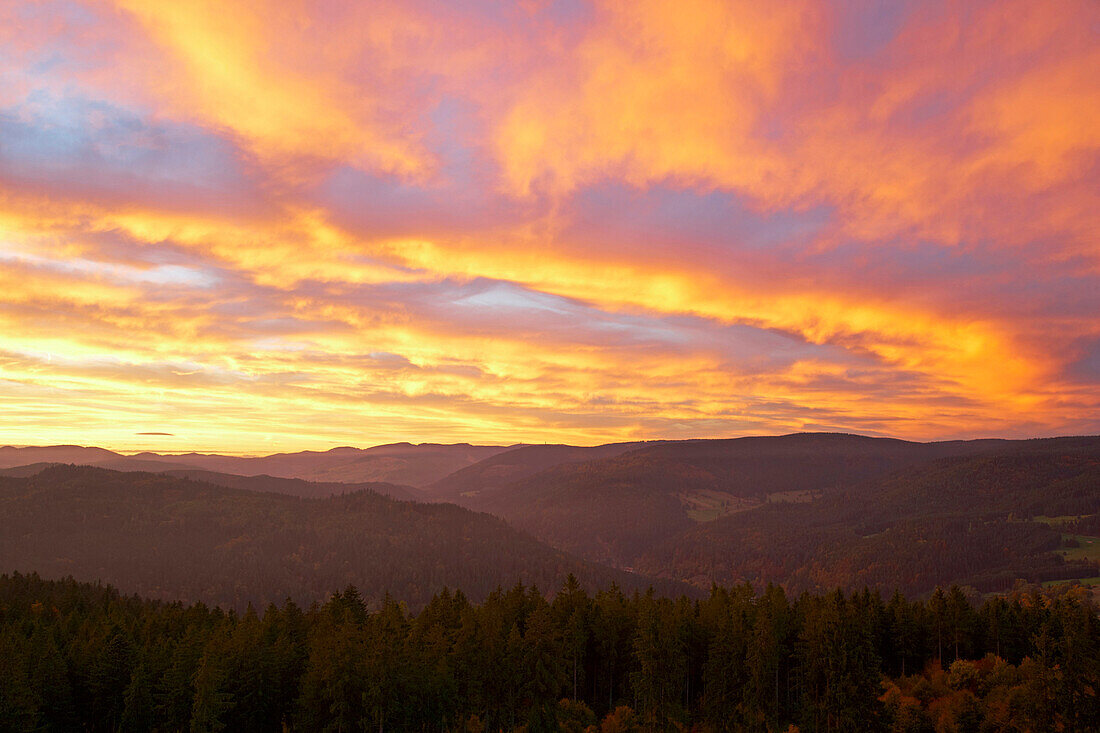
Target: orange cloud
<point x="285" y="223"/>
<point x="230" y="65"/>
<point x="732" y="96"/>
<point x="656" y="91"/>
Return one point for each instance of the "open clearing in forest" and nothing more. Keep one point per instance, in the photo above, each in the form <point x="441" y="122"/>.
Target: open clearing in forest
<point x="706" y="505"/>
<point x="1058" y="521"/>
<point x="1088" y="548"/>
<point x="804" y="496"/>
<point x="1093" y="582"/>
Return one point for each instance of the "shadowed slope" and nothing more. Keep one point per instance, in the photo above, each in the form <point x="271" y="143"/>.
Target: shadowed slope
<point x="795" y="508"/>
<point x="501" y="471"/>
<point x="173" y="538"/>
<point x="615" y="508"/>
<point x="298" y="487"/>
<point x="964" y="519"/>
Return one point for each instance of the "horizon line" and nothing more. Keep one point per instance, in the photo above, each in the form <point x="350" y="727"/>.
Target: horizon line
<point x="130" y="453"/>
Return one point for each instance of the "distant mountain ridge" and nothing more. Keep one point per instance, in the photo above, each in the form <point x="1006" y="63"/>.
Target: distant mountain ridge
<point x="397" y="463"/>
<point x="10" y="456"/>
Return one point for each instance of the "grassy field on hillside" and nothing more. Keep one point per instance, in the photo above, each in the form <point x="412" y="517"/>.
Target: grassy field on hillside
<point x="1088" y="547"/>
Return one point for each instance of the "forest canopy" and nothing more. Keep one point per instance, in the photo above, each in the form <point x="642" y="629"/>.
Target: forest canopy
<point x="82" y="656"/>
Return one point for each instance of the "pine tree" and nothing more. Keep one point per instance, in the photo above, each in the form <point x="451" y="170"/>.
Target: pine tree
<point x="48" y="676"/>
<point x="138" y="708"/>
<point x="660" y="663"/>
<point x="213" y="701"/>
<point x="960" y="622"/>
<point x="937" y="609"/>
<point x="109" y="677"/>
<point x="18" y="701"/>
<point x="725" y="672"/>
<point x="766" y="656"/>
<point x="542" y="670"/>
<point x="572" y="611"/>
<point x="904" y="634"/>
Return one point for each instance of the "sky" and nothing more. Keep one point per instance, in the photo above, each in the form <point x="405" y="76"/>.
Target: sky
<point x="248" y="226"/>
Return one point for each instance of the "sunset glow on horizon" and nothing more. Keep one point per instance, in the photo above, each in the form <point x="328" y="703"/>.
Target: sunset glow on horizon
<point x="252" y="226"/>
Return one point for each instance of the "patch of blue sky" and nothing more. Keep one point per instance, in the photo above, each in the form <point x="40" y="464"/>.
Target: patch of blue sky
<point x="163" y="275"/>
<point x="100" y="360"/>
<point x="177" y="275"/>
<point x="389" y="357"/>
<point x="640" y="330"/>
<point x="508" y="296"/>
<point x="503" y="300"/>
<point x="51" y="132"/>
<point x="746" y="346"/>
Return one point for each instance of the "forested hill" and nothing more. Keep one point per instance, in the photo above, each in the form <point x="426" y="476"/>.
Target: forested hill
<point x="748" y="467"/>
<point x="80" y="657"/>
<point x="505" y="469"/>
<point x="297" y="486"/>
<point x="818" y="510"/>
<point x="177" y="539"/>
<point x="984" y="521"/>
<point x="614" y="508"/>
<point x="273" y="484"/>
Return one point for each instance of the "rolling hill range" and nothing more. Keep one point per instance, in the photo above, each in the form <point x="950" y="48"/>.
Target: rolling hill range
<point x="177" y="539"/>
<point x="813" y="510"/>
<point x="272" y="484"/>
<point x="12" y="457"/>
<point x="397" y="463"/>
<point x="982" y="520"/>
<point x="615" y="507"/>
<point x="500" y="471"/>
<point x="298" y="487"/>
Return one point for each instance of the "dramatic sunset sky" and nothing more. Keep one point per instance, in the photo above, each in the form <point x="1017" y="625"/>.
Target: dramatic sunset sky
<point x="259" y="225"/>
